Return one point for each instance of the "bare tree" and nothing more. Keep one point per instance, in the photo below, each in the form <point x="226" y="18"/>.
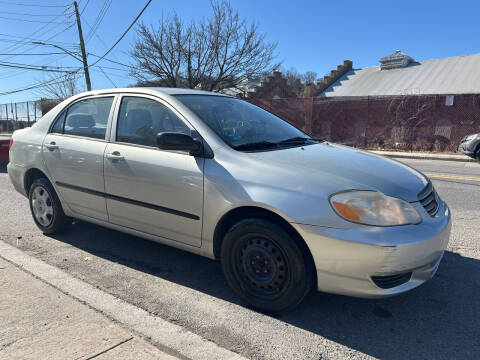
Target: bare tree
<point x="310" y="77"/>
<point x="297" y="81"/>
<point x="220" y="52"/>
<point x="60" y="88"/>
<point x="294" y="80"/>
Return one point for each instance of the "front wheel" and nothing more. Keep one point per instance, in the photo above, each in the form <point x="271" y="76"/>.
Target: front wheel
<point x="46" y="208"/>
<point x="265" y="266"/>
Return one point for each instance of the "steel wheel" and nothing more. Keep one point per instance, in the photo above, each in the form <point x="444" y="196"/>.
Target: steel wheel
<point x="42" y="206"/>
<point x="262" y="266"/>
<point x="265" y="266"/>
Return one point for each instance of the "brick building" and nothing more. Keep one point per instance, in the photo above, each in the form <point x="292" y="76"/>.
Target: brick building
<point x="402" y="103"/>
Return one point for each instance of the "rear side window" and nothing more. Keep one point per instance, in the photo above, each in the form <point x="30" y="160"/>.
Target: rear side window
<point x="87" y="118"/>
<point x="57" y="128"/>
<point x="141" y="119"/>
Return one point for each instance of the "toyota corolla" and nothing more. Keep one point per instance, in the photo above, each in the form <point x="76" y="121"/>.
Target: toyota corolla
<point x="220" y="177"/>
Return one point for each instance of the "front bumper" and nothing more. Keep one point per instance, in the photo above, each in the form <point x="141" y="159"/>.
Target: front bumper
<point x="465" y="149"/>
<point x="347" y="259"/>
<point x="468" y="147"/>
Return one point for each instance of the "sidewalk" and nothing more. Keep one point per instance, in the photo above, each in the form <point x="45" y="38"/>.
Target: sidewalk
<point x="40" y="322"/>
<point x="424" y="155"/>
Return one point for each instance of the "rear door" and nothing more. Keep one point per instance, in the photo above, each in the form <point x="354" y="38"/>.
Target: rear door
<point x="73" y="152"/>
<point x="155" y="191"/>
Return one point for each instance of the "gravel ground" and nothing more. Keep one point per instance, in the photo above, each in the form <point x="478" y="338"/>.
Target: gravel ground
<point x="438" y="320"/>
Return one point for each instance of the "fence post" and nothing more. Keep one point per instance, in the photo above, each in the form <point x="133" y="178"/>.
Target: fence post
<point x="14" y="124"/>
<point x="310" y="117"/>
<point x="28" y="115"/>
<point x="16" y="117"/>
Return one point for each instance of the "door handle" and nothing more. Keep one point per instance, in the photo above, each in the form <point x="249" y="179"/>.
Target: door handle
<point x="115" y="156"/>
<point x="51" y="146"/>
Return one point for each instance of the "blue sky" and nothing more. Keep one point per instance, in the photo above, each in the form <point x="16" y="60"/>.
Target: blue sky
<point x="311" y="35"/>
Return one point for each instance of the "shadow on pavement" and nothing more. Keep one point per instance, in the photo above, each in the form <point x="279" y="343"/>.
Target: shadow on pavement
<point x="440" y="318"/>
<point x="3" y="167"/>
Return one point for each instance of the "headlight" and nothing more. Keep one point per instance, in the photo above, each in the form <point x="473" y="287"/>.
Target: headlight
<point x="374" y="208"/>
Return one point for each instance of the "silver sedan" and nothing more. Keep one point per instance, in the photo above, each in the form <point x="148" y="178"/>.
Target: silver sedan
<point x="220" y="177"/>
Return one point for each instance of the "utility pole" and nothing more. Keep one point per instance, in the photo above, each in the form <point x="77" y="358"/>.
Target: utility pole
<point x="82" y="47"/>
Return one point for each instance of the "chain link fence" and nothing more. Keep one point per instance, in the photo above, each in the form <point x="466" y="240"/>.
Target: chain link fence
<point x="407" y="123"/>
<point x="18" y="115"/>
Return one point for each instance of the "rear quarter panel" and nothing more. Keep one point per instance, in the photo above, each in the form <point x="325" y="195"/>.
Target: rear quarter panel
<point x="26" y="152"/>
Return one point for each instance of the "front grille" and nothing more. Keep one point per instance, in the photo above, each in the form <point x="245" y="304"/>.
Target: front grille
<point x="390" y="281"/>
<point x="429" y="200"/>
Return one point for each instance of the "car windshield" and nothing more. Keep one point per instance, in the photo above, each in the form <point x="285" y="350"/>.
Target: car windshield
<point x="242" y="125"/>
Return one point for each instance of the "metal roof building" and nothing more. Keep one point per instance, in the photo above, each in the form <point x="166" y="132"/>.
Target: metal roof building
<point x="399" y="74"/>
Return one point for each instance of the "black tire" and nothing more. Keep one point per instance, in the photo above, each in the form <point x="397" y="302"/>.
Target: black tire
<point x="53" y="223"/>
<point x="477" y="153"/>
<point x="265" y="266"/>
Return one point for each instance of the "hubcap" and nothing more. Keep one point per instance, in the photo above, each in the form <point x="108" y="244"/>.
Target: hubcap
<point x="42" y="206"/>
<point x="262" y="266"/>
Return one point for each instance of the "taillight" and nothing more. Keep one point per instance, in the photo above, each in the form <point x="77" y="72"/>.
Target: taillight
<point x="10" y="144"/>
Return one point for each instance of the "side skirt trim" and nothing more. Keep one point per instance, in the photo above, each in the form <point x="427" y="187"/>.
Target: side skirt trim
<point x="129" y="201"/>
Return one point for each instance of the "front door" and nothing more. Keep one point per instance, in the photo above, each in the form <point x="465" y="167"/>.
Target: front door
<point x="73" y="151"/>
<point x="155" y="191"/>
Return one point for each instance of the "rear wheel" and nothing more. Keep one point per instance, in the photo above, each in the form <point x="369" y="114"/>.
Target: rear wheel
<point x="477" y="153"/>
<point x="265" y="266"/>
<point x="46" y="208"/>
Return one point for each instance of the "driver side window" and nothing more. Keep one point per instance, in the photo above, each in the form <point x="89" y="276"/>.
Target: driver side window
<point x="141" y="119"/>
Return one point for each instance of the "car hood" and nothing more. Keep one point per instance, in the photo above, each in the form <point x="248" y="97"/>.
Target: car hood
<point x="332" y="168"/>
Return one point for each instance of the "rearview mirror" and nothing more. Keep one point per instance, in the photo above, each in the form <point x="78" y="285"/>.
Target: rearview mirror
<point x="178" y="141"/>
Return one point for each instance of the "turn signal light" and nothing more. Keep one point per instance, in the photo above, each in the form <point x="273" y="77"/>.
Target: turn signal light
<point x="10" y="144"/>
<point x="347" y="211"/>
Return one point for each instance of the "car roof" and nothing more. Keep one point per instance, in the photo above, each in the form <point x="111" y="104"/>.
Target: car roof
<point x="152" y="90"/>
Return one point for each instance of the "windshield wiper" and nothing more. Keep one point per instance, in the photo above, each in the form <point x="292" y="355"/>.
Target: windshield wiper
<point x="299" y="139"/>
<point x="255" y="145"/>
<point x="269" y="144"/>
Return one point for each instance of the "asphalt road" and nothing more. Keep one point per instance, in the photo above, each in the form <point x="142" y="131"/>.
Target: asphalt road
<point x="437" y="320"/>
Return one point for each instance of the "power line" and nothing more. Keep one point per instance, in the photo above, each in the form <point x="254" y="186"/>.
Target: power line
<point x="42" y="66"/>
<point x="125" y="33"/>
<point x="36" y="5"/>
<point x="34" y="39"/>
<point x="8" y="75"/>
<point x="37" y="31"/>
<point x="104" y="73"/>
<point x="98" y="19"/>
<point x="112" y="68"/>
<point x="38" y="34"/>
<point x="31" y="68"/>
<point x="24" y="14"/>
<point x="39" y="54"/>
<point x="113" y="61"/>
<point x="81" y="13"/>
<point x="32" y="21"/>
<point x="50" y="82"/>
<point x="18" y="42"/>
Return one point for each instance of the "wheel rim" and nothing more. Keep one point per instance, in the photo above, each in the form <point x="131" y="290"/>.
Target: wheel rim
<point x="42" y="206"/>
<point x="262" y="267"/>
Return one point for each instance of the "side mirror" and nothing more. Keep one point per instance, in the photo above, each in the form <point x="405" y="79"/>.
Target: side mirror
<point x="178" y="141"/>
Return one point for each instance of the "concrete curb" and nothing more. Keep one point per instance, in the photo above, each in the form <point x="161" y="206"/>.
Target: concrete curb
<point x="424" y="156"/>
<point x="166" y="334"/>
